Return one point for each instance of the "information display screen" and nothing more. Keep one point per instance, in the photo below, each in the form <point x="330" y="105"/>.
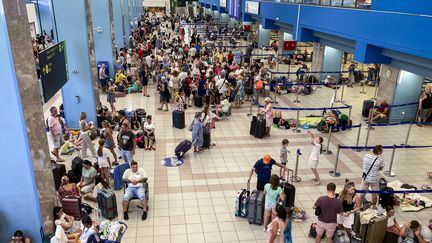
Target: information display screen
<point x="54" y="70"/>
<point x="234" y="9"/>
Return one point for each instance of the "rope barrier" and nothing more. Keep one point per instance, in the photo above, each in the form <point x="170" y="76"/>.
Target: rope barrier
<point x="387" y="147"/>
<point x="394" y="192"/>
<point x="293" y="84"/>
<point x="308" y="109"/>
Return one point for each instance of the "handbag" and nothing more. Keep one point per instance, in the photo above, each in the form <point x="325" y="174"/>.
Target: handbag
<point x="259" y="84"/>
<point x="366" y="174"/>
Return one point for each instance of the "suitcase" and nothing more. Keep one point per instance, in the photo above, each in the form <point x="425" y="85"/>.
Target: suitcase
<point x="72" y="207"/>
<point x="386" y="199"/>
<point x="107" y="204"/>
<point x="141" y="115"/>
<point x="375" y="230"/>
<point x="59" y="170"/>
<point x="260" y="128"/>
<point x="367" y="105"/>
<point x="256" y="207"/>
<point x="357" y="224"/>
<point x="118" y="174"/>
<point x="341" y="236"/>
<point x="182" y="148"/>
<point x="198" y="101"/>
<point x="253" y="125"/>
<point x="241" y="204"/>
<point x="289" y="190"/>
<point x="206" y="143"/>
<point x="178" y="119"/>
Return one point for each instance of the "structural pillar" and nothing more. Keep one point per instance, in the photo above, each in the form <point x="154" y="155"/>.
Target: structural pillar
<point x="28" y="194"/>
<point x="103" y="33"/>
<point x="283" y="36"/>
<point x="225" y="18"/>
<point x="326" y="58"/>
<point x="126" y="21"/>
<point x="81" y="92"/>
<point x="263" y="36"/>
<point x="118" y="24"/>
<point x="400" y="87"/>
<point x="317" y="59"/>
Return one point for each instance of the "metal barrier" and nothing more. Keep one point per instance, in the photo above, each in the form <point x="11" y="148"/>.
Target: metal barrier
<point x="296" y="178"/>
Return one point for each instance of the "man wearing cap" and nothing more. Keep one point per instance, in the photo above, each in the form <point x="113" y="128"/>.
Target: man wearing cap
<point x="263" y="169"/>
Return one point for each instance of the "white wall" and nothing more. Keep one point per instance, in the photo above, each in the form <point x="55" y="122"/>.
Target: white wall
<point x="32" y="16"/>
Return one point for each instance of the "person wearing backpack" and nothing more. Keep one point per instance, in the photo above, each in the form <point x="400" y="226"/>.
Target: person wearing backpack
<point x="372" y="165"/>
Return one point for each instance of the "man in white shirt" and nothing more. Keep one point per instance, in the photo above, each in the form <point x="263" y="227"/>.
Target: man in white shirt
<point x="220" y="84"/>
<point x="55" y="132"/>
<point x="372" y="164"/>
<point x="192" y="51"/>
<point x="135" y="178"/>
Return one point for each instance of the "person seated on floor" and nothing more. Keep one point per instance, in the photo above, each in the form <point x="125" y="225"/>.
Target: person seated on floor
<point x="68" y="189"/>
<point x="120" y="90"/>
<point x="19" y="238"/>
<point x="330" y="81"/>
<point x="149" y="133"/>
<point x="380" y="114"/>
<point x="135" y="87"/>
<point x="119" y="77"/>
<point x="88" y="229"/>
<point x="69" y="145"/>
<point x="416" y="232"/>
<point x="223" y="107"/>
<point x="101" y="184"/>
<point x="135" y="178"/>
<point x="70" y="226"/>
<point x="88" y="175"/>
<point x="392" y="225"/>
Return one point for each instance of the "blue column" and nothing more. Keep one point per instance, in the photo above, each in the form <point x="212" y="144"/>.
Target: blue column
<point x="126" y="22"/>
<point x="408" y="90"/>
<point x="20" y="207"/>
<point x="263" y="36"/>
<point x="225" y="18"/>
<point x="332" y="61"/>
<point x="78" y="94"/>
<point x="102" y="32"/>
<point x="118" y="23"/>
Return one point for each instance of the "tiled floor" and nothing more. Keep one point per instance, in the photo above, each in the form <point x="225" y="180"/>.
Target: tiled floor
<point x="195" y="202"/>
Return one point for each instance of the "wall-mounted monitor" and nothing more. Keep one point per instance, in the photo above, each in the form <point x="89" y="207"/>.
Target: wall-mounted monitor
<point x="252" y="7"/>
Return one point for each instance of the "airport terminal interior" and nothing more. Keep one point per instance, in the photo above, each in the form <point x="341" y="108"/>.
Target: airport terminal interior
<point x="178" y="121"/>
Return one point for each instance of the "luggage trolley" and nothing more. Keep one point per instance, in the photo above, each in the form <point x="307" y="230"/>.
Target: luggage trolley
<point x="120" y="234"/>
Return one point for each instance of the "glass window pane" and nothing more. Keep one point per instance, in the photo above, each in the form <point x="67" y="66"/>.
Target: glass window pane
<point x="348" y="3"/>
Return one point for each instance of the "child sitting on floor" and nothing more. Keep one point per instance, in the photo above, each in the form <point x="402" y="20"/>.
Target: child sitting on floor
<point x="69" y="146"/>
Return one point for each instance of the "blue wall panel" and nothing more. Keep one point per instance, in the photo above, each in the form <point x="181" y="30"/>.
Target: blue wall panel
<point x="72" y="27"/>
<point x="405" y="6"/>
<point x="19" y="206"/>
<point x="102" y="39"/>
<point x="408" y="90"/>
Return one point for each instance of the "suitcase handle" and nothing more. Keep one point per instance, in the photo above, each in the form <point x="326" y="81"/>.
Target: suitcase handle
<point x="288" y="173"/>
<point x="248" y="186"/>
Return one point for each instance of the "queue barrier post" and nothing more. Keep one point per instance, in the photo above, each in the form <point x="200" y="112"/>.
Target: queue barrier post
<point x="349" y="115"/>
<point x="328" y="151"/>
<point x="296" y="178"/>
<point x="342" y="94"/>
<point x="334" y="172"/>
<point x="297" y="100"/>
<point x="408" y="134"/>
<point x="335" y="94"/>
<point x="389" y="173"/>
<point x="375" y="91"/>
<point x="257" y="101"/>
<point x="363" y="89"/>
<point x="367" y="134"/>
<point x="358" y="137"/>
<point x="252" y="103"/>
<point x="296" y="130"/>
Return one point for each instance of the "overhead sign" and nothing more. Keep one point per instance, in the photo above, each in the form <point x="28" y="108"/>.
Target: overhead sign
<point x="223" y="3"/>
<point x="54" y="71"/>
<point x="252" y="7"/>
<point x="290" y="45"/>
<point x="234" y="9"/>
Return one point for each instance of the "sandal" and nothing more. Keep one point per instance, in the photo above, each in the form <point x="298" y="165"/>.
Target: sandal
<point x="153" y="148"/>
<point x="159" y="109"/>
<point x="60" y="160"/>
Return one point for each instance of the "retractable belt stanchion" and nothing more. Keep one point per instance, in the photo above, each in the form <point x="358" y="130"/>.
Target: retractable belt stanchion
<point x="375" y="91"/>
<point x="389" y="173"/>
<point x="297" y="100"/>
<point x="335" y="93"/>
<point x="363" y="89"/>
<point x="349" y="115"/>
<point x="328" y="151"/>
<point x="296" y="130"/>
<point x="252" y="103"/>
<point x="334" y="172"/>
<point x="358" y="137"/>
<point x="408" y="134"/>
<point x="296" y="178"/>
<point x="367" y="134"/>
<point x="342" y="94"/>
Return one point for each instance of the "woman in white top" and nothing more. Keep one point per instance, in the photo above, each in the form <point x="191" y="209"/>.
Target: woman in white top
<point x="275" y="230"/>
<point x="149" y="135"/>
<point x="103" y="160"/>
<point x="314" y="157"/>
<point x="87" y="229"/>
<point x="84" y="129"/>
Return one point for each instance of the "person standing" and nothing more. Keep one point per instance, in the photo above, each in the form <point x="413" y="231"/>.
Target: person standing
<point x="103" y="78"/>
<point x="284" y="158"/>
<point x="55" y="133"/>
<point x="351" y="203"/>
<point x="328" y="207"/>
<point x="126" y="142"/>
<point x="372" y="164"/>
<point x="425" y="105"/>
<point x="275" y="230"/>
<point x="111" y="96"/>
<point x="109" y="140"/>
<point x="263" y="169"/>
<point x="85" y="129"/>
<point x="273" y="193"/>
<point x="315" y="154"/>
<point x="197" y="133"/>
<point x="268" y="112"/>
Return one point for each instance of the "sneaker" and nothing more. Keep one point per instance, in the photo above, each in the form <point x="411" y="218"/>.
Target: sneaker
<point x="144" y="216"/>
<point x="125" y="216"/>
<point x="317" y="183"/>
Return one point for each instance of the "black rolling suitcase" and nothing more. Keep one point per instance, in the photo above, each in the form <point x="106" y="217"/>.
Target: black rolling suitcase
<point x="182" y="148"/>
<point x="59" y="170"/>
<point x="107" y="204"/>
<point x="289" y="190"/>
<point x="367" y="105"/>
<point x="260" y="128"/>
<point x="198" y="101"/>
<point x="76" y="170"/>
<point x="206" y="143"/>
<point x="253" y="125"/>
<point x="178" y="119"/>
<point x="256" y="207"/>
